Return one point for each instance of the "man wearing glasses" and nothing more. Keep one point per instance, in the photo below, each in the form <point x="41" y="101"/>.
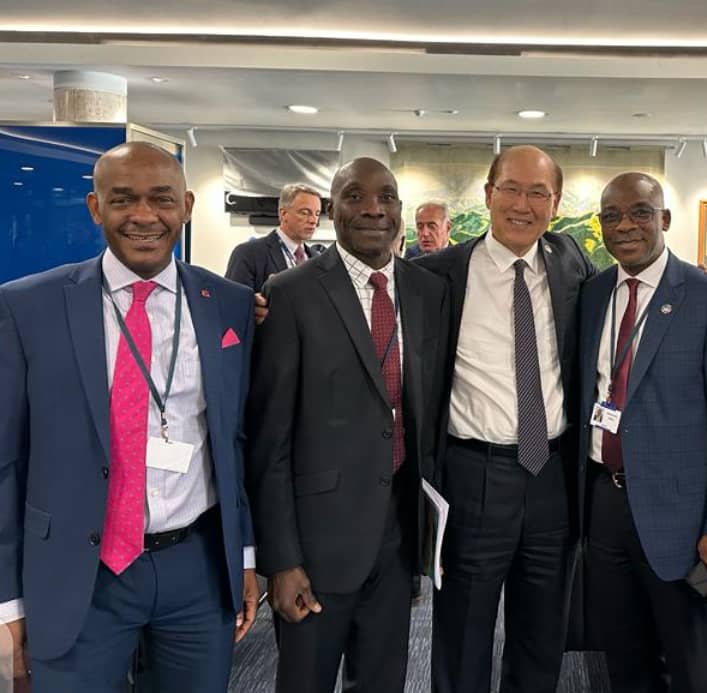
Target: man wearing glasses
<point x="643" y="357"/>
<point x="253" y="262"/>
<point x="508" y="466"/>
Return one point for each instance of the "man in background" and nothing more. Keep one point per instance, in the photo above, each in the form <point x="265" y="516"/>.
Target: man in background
<point x="433" y="227"/>
<point x="251" y="263"/>
<point x="122" y="507"/>
<point x="643" y="461"/>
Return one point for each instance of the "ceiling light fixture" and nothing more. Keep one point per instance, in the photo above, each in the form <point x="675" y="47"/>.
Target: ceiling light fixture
<point x="420" y="112"/>
<point x="24" y="76"/>
<point x="302" y="109"/>
<point x="497" y="145"/>
<point x="593" y="146"/>
<point x="531" y="114"/>
<point x="340" y="140"/>
<point x="392" y="147"/>
<point x="451" y="111"/>
<point x="158" y="80"/>
<point x="191" y="135"/>
<point x="680" y="150"/>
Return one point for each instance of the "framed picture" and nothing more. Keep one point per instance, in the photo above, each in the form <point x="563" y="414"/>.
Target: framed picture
<point x="702" y="234"/>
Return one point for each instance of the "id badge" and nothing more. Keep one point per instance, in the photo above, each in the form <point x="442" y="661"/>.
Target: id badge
<point x="172" y="456"/>
<point x="606" y="417"/>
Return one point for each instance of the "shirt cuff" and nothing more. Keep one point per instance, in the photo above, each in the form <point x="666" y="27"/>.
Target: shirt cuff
<point x="14" y="610"/>
<point x="248" y="557"/>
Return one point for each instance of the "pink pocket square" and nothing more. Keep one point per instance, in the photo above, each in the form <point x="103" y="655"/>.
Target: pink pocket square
<point x="229" y="339"/>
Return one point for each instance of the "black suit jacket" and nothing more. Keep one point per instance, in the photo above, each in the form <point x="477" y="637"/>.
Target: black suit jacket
<point x="320" y="423"/>
<point x="251" y="263"/>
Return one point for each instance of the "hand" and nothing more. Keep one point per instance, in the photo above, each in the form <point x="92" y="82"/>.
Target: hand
<point x="261" y="308"/>
<point x="246" y="616"/>
<point x="20" y="657"/>
<point x="290" y="594"/>
<point x="702" y="548"/>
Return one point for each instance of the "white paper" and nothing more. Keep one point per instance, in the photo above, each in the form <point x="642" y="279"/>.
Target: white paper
<point x="441" y="511"/>
<point x="172" y="456"/>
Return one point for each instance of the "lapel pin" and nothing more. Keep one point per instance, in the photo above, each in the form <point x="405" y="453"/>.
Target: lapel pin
<point x="666" y="309"/>
<point x="205" y="293"/>
<point x="548" y="249"/>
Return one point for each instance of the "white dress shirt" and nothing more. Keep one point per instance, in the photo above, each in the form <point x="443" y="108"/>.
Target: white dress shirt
<point x="483" y="403"/>
<point x="648" y="283"/>
<point x="172" y="500"/>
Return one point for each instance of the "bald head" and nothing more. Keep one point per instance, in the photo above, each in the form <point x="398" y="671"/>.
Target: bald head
<point x="526" y="151"/>
<point x="634" y="180"/>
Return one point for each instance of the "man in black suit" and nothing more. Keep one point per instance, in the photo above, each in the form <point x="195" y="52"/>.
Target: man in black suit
<point x="337" y="446"/>
<point x="508" y="465"/>
<point x="251" y="263"/>
<point x="433" y="227"/>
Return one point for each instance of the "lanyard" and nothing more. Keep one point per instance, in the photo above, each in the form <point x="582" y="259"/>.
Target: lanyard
<point x="161" y="402"/>
<point x="617" y="359"/>
<point x="393" y="339"/>
<point x="291" y="260"/>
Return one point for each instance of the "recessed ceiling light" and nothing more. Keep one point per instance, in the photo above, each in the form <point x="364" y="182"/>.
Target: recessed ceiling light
<point x="641" y="115"/>
<point x="159" y="80"/>
<point x="451" y="111"/>
<point x="87" y="177"/>
<point x="18" y="184"/>
<point x="304" y="110"/>
<point x="23" y="76"/>
<point x="531" y="114"/>
<point x="26" y="168"/>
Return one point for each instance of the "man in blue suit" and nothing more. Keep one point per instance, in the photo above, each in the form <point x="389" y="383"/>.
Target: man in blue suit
<point x="122" y="509"/>
<point x="644" y="447"/>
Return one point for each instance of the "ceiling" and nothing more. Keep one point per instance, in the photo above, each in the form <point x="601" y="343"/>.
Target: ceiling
<point x="591" y="65"/>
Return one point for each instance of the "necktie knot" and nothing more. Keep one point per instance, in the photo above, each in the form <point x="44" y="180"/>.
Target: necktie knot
<point x="300" y="257"/>
<point x="520" y="266"/>
<point x="632" y="285"/>
<point x="378" y="280"/>
<point x="141" y="290"/>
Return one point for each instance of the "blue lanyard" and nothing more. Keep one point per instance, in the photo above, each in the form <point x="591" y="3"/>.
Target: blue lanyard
<point x="288" y="253"/>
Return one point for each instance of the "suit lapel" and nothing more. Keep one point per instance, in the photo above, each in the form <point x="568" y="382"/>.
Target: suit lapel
<point x="558" y="292"/>
<point x="203" y="299"/>
<point x="665" y="303"/>
<point x="84" y="309"/>
<point x="275" y="251"/>
<point x="342" y="294"/>
<point x="458" y="274"/>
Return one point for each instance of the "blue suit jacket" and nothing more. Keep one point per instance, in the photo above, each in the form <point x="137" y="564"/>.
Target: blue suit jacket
<point x="54" y="436"/>
<point x="664" y="423"/>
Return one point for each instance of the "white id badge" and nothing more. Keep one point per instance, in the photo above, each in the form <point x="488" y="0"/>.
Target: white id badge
<point x="171" y="456"/>
<point x="605" y="417"/>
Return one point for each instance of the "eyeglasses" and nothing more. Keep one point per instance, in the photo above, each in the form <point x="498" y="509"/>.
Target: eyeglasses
<point x="513" y="191"/>
<point x="638" y="215"/>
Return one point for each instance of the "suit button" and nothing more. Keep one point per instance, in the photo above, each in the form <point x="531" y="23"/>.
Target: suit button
<point x="387" y="433"/>
<point x="104" y="471"/>
<point x="94" y="539"/>
<point x="384" y="481"/>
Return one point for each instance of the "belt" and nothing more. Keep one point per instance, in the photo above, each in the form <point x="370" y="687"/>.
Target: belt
<point x="617" y="478"/>
<point x="498" y="448"/>
<point x="163" y="540"/>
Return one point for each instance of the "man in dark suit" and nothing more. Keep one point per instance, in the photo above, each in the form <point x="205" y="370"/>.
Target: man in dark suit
<point x="643" y="360"/>
<point x="509" y="470"/>
<point x="107" y="529"/>
<point x="337" y="446"/>
<point x="433" y="227"/>
<point x="251" y="263"/>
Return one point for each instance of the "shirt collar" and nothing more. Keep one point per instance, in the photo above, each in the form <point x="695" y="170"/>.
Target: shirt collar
<point x="119" y="276"/>
<point x="289" y="243"/>
<point x="650" y="276"/>
<point x="360" y="272"/>
<point x="504" y="258"/>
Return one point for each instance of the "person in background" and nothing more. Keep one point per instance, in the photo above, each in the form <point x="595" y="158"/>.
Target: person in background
<point x="433" y="228"/>
<point x="341" y="429"/>
<point x="108" y="530"/>
<point x="251" y="263"/>
<point x="643" y="462"/>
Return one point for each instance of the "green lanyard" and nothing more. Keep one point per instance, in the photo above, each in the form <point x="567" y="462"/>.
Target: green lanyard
<point x="161" y="402"/>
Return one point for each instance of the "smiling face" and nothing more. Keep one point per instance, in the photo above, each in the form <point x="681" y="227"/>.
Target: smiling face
<point x="140" y="200"/>
<point x="633" y="220"/>
<point x="365" y="208"/>
<point x="522" y="198"/>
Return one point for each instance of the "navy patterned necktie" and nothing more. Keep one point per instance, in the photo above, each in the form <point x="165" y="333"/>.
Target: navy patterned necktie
<point x="533" y="449"/>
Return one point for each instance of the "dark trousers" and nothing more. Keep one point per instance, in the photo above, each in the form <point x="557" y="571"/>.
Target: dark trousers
<point x="654" y="632"/>
<point x="505" y="526"/>
<point x="368" y="627"/>
<point x="179" y="599"/>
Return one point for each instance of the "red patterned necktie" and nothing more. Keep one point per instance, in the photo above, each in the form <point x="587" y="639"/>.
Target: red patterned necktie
<point x="300" y="256"/>
<point x="610" y="442"/>
<point x="384" y="330"/>
<point x="123" y="528"/>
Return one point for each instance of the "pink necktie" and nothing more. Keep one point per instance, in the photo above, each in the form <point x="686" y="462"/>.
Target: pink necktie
<point x="300" y="257"/>
<point x="123" y="528"/>
<point x="384" y="332"/>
